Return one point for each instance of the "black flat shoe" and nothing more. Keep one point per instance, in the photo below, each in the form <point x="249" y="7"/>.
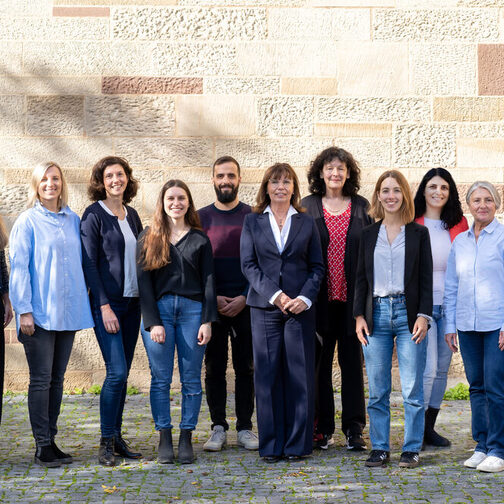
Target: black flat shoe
<point x="121" y="449"/>
<point x="45" y="457"/>
<point x="293" y="458"/>
<point x="272" y="459"/>
<point x="64" y="458"/>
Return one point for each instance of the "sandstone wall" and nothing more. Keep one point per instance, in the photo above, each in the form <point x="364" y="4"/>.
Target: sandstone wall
<point x="172" y="84"/>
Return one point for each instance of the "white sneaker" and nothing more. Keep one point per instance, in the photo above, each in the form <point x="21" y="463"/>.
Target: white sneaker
<point x="248" y="440"/>
<point x="491" y="464"/>
<point x="217" y="440"/>
<point x="475" y="459"/>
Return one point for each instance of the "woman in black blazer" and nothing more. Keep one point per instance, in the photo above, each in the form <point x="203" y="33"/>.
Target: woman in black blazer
<point x="340" y="214"/>
<point x="282" y="260"/>
<point x="393" y="300"/>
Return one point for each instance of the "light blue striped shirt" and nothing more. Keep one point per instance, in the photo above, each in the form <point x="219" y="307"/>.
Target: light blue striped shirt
<point x="474" y="286"/>
<point x="46" y="270"/>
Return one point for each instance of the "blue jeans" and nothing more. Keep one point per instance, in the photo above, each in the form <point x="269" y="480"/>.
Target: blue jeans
<point x="181" y="319"/>
<point x="390" y="321"/>
<point x="117" y="350"/>
<point x="484" y="368"/>
<point x="438" y="361"/>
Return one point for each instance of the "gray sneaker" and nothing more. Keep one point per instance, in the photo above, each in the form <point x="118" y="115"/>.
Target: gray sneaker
<point x="248" y="440"/>
<point x="217" y="440"/>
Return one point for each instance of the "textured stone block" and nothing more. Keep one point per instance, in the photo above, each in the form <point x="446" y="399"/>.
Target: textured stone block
<point x="353" y="130"/>
<point x="11" y="115"/>
<point x="468" y="109"/>
<point x="294" y="59"/>
<point x="215" y="115"/>
<point x="306" y="86"/>
<point x="424" y="145"/>
<point x="130" y="116"/>
<point x="491" y="69"/>
<point x="369" y="152"/>
<point x="480" y="130"/>
<point x="436" y="24"/>
<point x="194" y="59"/>
<point x="81" y="11"/>
<point x="25" y="8"/>
<point x="372" y="109"/>
<point x="14" y="84"/>
<point x="151" y="85"/>
<point x="458" y="64"/>
<point x="285" y="116"/>
<point x="480" y="153"/>
<point x="13" y="198"/>
<point x="255" y="3"/>
<point x="319" y="24"/>
<point x="236" y="85"/>
<point x="373" y="69"/>
<point x="426" y="4"/>
<point x="55" y="115"/>
<point x="153" y="23"/>
<point x="351" y="3"/>
<point x="114" y="2"/>
<point x="480" y="3"/>
<point x="166" y="153"/>
<point x="11" y="56"/>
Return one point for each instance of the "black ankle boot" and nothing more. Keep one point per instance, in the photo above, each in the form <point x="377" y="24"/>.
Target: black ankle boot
<point x="185" y="449"/>
<point x="431" y="437"/>
<point x="165" y="449"/>
<point x="121" y="449"/>
<point x="45" y="457"/>
<point x="63" y="457"/>
<point x="106" y="452"/>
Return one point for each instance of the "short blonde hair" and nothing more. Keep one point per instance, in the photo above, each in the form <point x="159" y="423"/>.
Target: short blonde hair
<point x="37" y="175"/>
<point x="407" y="209"/>
<point x="489" y="187"/>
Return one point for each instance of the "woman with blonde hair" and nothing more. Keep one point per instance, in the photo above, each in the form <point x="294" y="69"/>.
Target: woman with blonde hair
<point x="50" y="299"/>
<point x="393" y="301"/>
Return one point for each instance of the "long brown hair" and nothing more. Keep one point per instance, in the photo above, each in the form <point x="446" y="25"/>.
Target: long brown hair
<point x="273" y="172"/>
<point x="156" y="241"/>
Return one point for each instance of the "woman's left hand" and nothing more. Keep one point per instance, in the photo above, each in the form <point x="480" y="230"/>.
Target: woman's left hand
<point x="295" y="306"/>
<point x="420" y="329"/>
<point x="7" y="309"/>
<point x="501" y="341"/>
<point x="204" y="333"/>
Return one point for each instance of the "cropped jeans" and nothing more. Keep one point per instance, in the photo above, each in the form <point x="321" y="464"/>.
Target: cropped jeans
<point x="390" y="321"/>
<point x="181" y="318"/>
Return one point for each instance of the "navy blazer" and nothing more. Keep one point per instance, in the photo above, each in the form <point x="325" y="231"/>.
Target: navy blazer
<point x="103" y="252"/>
<point x="297" y="271"/>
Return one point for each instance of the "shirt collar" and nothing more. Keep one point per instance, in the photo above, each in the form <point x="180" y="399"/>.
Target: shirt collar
<point x="488" y="229"/>
<point x="41" y="208"/>
<point x="290" y="212"/>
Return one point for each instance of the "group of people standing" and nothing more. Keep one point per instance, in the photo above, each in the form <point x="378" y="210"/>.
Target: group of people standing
<point x="286" y="282"/>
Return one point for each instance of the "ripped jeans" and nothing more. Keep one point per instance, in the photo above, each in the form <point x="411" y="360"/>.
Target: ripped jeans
<point x="181" y="319"/>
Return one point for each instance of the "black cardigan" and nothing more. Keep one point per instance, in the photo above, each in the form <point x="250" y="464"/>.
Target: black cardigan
<point x="359" y="219"/>
<point x="417" y="273"/>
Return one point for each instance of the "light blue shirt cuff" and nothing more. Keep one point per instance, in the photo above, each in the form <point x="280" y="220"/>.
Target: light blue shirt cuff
<point x="272" y="298"/>
<point x="424" y="316"/>
<point x="450" y="328"/>
<point x="306" y="300"/>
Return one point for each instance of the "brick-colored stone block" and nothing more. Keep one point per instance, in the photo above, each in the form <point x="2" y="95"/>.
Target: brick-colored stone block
<point x="469" y="109"/>
<point x="472" y="25"/>
<point x="478" y="153"/>
<point x="14" y="84"/>
<point x="216" y="115"/>
<point x="353" y="130"/>
<point x="11" y="115"/>
<point x="307" y="86"/>
<point x="55" y="115"/>
<point x="237" y="85"/>
<point x="372" y="69"/>
<point x="152" y="85"/>
<point x="372" y="109"/>
<point x="285" y="116"/>
<point x="424" y="145"/>
<point x="458" y="64"/>
<point x="154" y="23"/>
<point x="81" y="11"/>
<point x="130" y="116"/>
<point x="491" y="69"/>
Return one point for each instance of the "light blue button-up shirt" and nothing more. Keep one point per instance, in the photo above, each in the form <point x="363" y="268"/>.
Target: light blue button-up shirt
<point x="474" y="286"/>
<point x="46" y="277"/>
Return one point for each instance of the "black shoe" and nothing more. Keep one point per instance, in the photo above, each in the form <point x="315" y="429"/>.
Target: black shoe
<point x="355" y="441"/>
<point x="63" y="457"/>
<point x="106" y="452"/>
<point x="431" y="437"/>
<point x="165" y="449"/>
<point x="323" y="441"/>
<point x="377" y="458"/>
<point x="272" y="459"/>
<point x="45" y="457"/>
<point x="409" y="459"/>
<point x="294" y="458"/>
<point x="121" y="449"/>
<point x="185" y="449"/>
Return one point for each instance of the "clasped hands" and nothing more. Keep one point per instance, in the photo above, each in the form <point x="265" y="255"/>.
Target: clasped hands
<point x="288" y="305"/>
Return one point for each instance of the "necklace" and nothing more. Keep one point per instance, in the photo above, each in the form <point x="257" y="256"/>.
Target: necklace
<point x="176" y="236"/>
<point x="280" y="220"/>
<point x="338" y="210"/>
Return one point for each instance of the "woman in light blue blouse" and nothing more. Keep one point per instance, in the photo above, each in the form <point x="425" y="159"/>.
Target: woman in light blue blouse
<point x="474" y="306"/>
<point x="49" y="296"/>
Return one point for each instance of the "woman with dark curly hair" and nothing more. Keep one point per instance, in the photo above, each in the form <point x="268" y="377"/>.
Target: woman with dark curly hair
<point x="109" y="231"/>
<point x="437" y="206"/>
<point x="340" y="214"/>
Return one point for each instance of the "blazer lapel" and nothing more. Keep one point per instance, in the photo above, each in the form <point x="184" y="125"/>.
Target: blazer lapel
<point x="264" y="224"/>
<point x="296" y="224"/>
<point x="410" y="251"/>
<point x="369" y="252"/>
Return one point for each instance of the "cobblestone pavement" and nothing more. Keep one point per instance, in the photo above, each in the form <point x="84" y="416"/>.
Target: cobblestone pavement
<point x="234" y="475"/>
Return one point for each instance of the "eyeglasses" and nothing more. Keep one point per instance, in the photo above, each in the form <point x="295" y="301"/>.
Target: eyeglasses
<point x="278" y="183"/>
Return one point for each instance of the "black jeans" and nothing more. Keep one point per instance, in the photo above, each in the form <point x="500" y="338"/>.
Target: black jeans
<point x="353" y="416"/>
<point x="47" y="353"/>
<point x="216" y="359"/>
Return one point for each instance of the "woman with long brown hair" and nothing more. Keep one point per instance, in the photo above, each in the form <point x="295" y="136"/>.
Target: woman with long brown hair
<point x="178" y="301"/>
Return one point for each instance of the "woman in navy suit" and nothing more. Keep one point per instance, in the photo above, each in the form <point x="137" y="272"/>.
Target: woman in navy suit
<point x="281" y="257"/>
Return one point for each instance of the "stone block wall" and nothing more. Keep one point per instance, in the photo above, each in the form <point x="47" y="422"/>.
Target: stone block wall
<point x="173" y="84"/>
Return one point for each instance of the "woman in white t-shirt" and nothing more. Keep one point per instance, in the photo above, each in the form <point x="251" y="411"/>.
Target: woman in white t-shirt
<point x="437" y="206"/>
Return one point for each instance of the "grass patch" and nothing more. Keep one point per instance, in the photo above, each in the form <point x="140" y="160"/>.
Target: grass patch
<point x="458" y="393"/>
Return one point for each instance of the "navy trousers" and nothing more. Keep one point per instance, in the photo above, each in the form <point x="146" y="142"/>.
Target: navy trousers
<point x="284" y="366"/>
